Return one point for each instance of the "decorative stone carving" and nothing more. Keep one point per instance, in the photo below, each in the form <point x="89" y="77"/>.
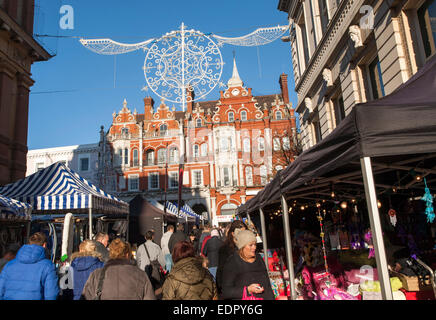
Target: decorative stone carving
<point x="308" y="104"/>
<point x="356" y="35"/>
<point x="327" y="75"/>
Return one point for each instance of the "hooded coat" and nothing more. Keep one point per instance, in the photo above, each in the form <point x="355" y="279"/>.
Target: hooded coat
<point x="30" y="276"/>
<point x="188" y="280"/>
<point x="83" y="264"/>
<point x="123" y="281"/>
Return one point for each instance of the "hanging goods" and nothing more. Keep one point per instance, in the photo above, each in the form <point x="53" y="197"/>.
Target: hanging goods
<point x="392" y="216"/>
<point x="428" y="198"/>
<point x="183" y="61"/>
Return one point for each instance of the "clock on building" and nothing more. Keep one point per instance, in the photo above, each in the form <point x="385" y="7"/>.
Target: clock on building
<point x="235" y="92"/>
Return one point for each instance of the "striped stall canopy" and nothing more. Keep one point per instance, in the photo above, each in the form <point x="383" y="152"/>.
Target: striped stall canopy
<point x="13" y="209"/>
<point x="57" y="187"/>
<point x="191" y="212"/>
<point x="172" y="208"/>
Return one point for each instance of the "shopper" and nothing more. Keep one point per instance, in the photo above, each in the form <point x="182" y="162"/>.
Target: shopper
<point x="205" y="234"/>
<point x="228" y="249"/>
<point x="164" y="245"/>
<point x="178" y="236"/>
<point x="193" y="239"/>
<point x="101" y="243"/>
<point x="122" y="279"/>
<point x="211" y="251"/>
<point x="30" y="276"/>
<point x="9" y="255"/>
<point x="246" y="270"/>
<point x="188" y="280"/>
<point x="83" y="263"/>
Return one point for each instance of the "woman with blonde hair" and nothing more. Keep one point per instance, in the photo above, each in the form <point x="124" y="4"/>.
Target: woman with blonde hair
<point x="120" y="279"/>
<point x="83" y="263"/>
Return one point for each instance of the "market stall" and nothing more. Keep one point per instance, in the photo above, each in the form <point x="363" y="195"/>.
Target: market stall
<point x="57" y="190"/>
<point x="15" y="221"/>
<point x="378" y="161"/>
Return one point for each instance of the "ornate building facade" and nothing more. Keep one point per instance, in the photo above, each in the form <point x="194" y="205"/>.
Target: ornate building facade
<point x="18" y="51"/>
<point x="346" y="52"/>
<point x="230" y="148"/>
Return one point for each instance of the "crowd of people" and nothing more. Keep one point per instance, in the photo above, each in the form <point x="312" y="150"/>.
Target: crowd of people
<point x="205" y="264"/>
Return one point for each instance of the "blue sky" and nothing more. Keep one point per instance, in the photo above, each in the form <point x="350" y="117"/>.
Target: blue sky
<point x="77" y="90"/>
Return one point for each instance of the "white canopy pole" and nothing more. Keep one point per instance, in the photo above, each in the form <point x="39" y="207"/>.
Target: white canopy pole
<point x="90" y="217"/>
<point x="288" y="244"/>
<point x="265" y="246"/>
<point x="376" y="229"/>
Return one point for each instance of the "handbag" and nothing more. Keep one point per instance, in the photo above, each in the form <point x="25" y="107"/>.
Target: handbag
<point x="100" y="284"/>
<point x="153" y="271"/>
<point x="247" y="296"/>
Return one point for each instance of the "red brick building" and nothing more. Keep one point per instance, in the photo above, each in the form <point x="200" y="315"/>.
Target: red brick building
<point x="18" y="51"/>
<point x="230" y="148"/>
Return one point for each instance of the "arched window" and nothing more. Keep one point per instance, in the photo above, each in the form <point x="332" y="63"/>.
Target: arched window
<point x="174" y="155"/>
<point x="124" y="132"/>
<point x="126" y="156"/>
<point x="261" y="142"/>
<point x="243" y="115"/>
<point x="279" y="115"/>
<point x="231" y="117"/>
<point x="276" y="144"/>
<point x="228" y="209"/>
<point x="135" y="158"/>
<point x="150" y="157"/>
<point x="198" y="122"/>
<point x="286" y="143"/>
<point x="246" y="144"/>
<point x="196" y="150"/>
<point x="249" y="176"/>
<point x="263" y="176"/>
<point x="162" y="155"/>
<point x="163" y="129"/>
<point x="204" y="150"/>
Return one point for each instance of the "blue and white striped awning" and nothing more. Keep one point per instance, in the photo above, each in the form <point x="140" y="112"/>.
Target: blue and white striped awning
<point x="57" y="187"/>
<point x="13" y="209"/>
<point x="185" y="211"/>
<point x="191" y="212"/>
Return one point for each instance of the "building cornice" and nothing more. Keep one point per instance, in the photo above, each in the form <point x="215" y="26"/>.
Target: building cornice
<point x="337" y="29"/>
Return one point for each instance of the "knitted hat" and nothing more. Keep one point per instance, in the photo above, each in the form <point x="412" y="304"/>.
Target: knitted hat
<point x="214" y="233"/>
<point x="244" y="237"/>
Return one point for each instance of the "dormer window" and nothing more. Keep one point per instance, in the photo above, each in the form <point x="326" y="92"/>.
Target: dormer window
<point x="163" y="130"/>
<point x="198" y="122"/>
<point x="231" y="117"/>
<point x="279" y="115"/>
<point x="243" y="115"/>
<point x="124" y="132"/>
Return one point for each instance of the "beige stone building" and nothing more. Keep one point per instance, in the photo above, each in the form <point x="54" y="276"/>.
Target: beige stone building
<point x="352" y="51"/>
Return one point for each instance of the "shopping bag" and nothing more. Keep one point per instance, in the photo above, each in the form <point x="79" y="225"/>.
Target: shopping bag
<point x="246" y="296"/>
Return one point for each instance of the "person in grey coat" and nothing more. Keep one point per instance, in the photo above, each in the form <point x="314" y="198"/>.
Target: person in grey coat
<point x="177" y="236"/>
<point x="101" y="240"/>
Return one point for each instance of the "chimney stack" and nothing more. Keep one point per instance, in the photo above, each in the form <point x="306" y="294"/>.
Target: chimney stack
<point x="148" y="108"/>
<point x="284" y="87"/>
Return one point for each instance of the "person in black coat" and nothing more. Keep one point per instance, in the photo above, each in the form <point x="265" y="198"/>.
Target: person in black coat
<point x="211" y="251"/>
<point x="177" y="236"/>
<point x="193" y="239"/>
<point x="227" y="249"/>
<point x="246" y="270"/>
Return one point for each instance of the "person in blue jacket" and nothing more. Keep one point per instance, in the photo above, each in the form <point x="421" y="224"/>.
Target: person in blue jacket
<point x="83" y="263"/>
<point x="30" y="276"/>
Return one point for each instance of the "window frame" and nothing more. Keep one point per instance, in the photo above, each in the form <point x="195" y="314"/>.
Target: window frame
<point x="171" y="174"/>
<point x="135" y="157"/>
<point x="233" y="116"/>
<point x="81" y="157"/>
<point x="261" y="142"/>
<point x="193" y="173"/>
<point x="131" y="178"/>
<point x="244" y="112"/>
<point x="149" y="176"/>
